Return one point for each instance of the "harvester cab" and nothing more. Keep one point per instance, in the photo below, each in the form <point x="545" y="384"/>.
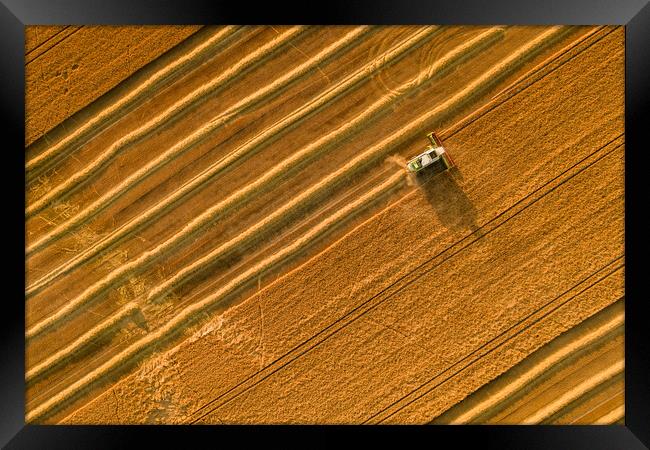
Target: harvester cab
<point x="434" y="157"/>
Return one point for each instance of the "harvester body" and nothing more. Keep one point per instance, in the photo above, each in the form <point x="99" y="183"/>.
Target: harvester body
<point x="434" y="157"/>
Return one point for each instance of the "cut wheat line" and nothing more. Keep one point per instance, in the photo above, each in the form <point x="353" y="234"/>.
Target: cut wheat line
<point x="228" y="162"/>
<point x="264" y="182"/>
<point x="198" y="94"/>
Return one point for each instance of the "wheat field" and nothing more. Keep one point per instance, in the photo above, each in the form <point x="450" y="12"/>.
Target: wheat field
<point x="220" y="227"/>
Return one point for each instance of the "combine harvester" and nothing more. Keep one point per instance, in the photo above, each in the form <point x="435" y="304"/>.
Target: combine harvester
<point x="435" y="158"/>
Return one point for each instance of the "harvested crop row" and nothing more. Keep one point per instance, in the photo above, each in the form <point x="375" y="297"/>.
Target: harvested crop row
<point x="500" y="147"/>
<point x="439" y="346"/>
<point x="235" y="157"/>
<point x="515" y="56"/>
<point x="187" y="143"/>
<point x="364" y="159"/>
<point x="263" y="339"/>
<point x="212" y="43"/>
<point x="84" y="340"/>
<point x="190" y="100"/>
<point x="574" y="393"/>
<point x="463" y="415"/>
<point x="184" y="316"/>
<point x="85" y="66"/>
<point x="613" y="417"/>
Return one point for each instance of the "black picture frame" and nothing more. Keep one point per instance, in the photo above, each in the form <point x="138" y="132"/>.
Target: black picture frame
<point x="634" y="14"/>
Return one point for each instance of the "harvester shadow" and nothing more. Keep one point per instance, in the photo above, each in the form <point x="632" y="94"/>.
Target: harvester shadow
<point x="450" y="204"/>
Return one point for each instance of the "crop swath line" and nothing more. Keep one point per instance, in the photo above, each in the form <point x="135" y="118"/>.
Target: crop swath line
<point x="236" y="157"/>
<point x="535" y="321"/>
<point x="508" y="393"/>
<point x="310" y="151"/>
<point x="294" y="230"/>
<point x="590" y="411"/>
<point x="573" y="394"/>
<point x="544" y="66"/>
<point x="461" y="96"/>
<point x="371" y="199"/>
<point x="58" y="379"/>
<point x="508" y="95"/>
<point x="179" y="148"/>
<point x="612" y="417"/>
<point x="369" y="305"/>
<point x="530" y="47"/>
<point x="122" y="103"/>
<point x="81" y="342"/>
<point x="244" y="65"/>
<point x="568" y="407"/>
<point x="583" y="397"/>
<point x="182" y="317"/>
